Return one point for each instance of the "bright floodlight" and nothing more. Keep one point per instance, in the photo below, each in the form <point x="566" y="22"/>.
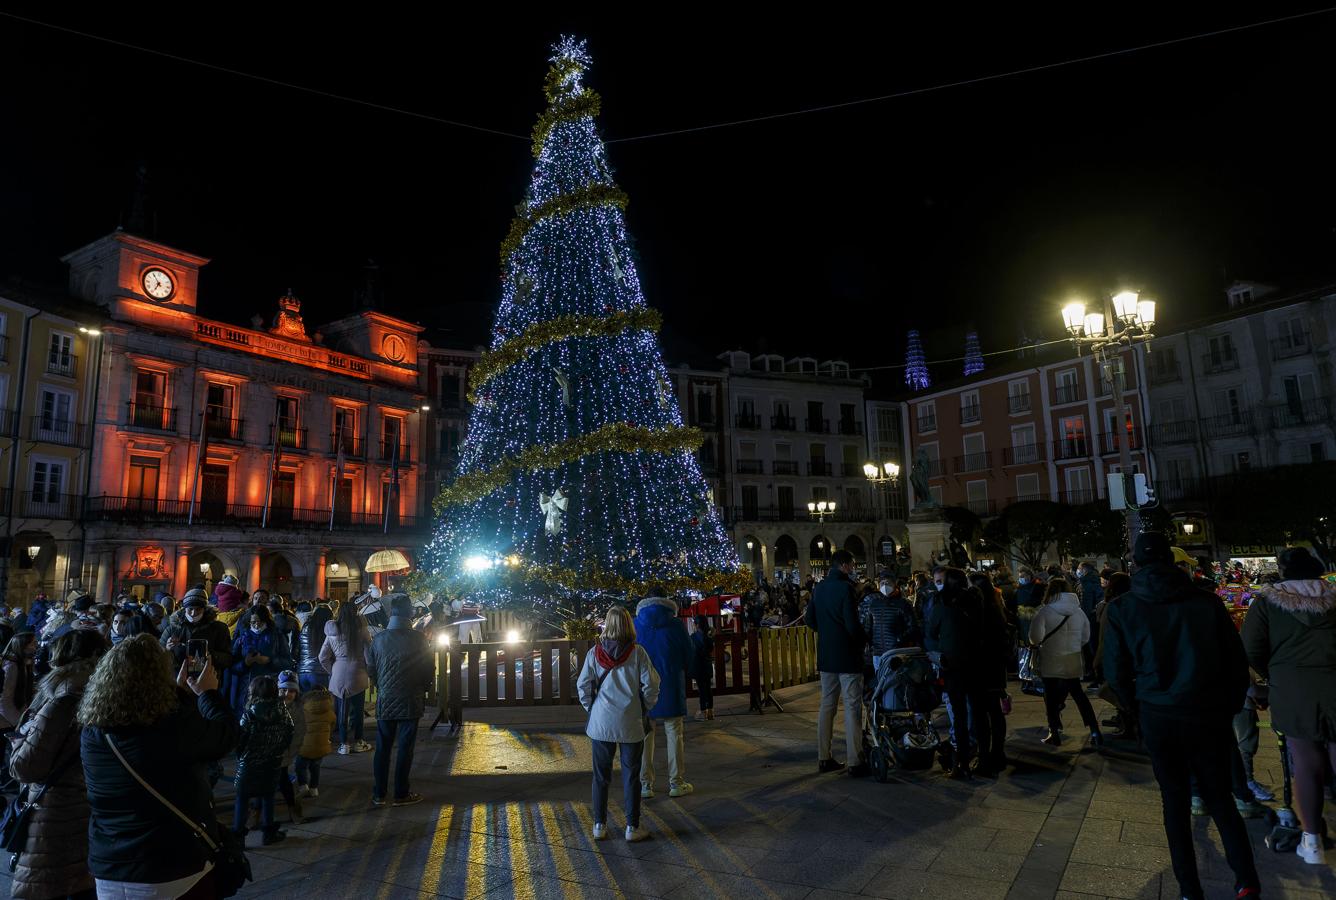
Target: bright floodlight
<point x="1094" y="324"/>
<point x="512" y="636"/>
<point x="475" y="564"/>
<point x="1072" y="316"/>
<point x="1146" y="313"/>
<point x="1125" y="305"/>
<point x="443" y="639"/>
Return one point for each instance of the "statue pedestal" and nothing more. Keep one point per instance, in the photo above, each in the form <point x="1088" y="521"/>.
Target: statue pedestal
<point x="928" y="532"/>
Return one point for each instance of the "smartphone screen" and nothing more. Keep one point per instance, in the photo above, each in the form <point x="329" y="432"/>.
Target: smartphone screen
<point x="197" y="650"/>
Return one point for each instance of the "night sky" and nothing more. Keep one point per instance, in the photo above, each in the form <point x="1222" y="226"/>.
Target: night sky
<point x="1174" y="169"/>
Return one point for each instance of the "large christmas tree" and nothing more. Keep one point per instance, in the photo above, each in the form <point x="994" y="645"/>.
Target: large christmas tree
<point x="577" y="474"/>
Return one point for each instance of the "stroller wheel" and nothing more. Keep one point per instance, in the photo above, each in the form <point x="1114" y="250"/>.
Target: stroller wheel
<point x="881" y="768"/>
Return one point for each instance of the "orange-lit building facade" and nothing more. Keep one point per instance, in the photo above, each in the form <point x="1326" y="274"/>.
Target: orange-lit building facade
<point x="311" y="437"/>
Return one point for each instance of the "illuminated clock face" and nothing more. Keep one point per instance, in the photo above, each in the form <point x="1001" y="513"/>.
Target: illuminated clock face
<point x="158" y="284"/>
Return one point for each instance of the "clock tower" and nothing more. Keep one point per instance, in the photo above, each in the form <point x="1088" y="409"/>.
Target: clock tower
<point x="125" y="269"/>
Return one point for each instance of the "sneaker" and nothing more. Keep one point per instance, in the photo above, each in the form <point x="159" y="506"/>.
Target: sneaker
<point x="344" y="750"/>
<point x="1250" y="810"/>
<point x="1260" y="792"/>
<point x="377" y="801"/>
<point x="253" y="819"/>
<point x="829" y="765"/>
<point x="272" y="837"/>
<point x="362" y="747"/>
<point x="1053" y="738"/>
<point x="681" y="789"/>
<point x="408" y="799"/>
<point x="709" y="714"/>
<point x="303" y="790"/>
<point x="314" y="792"/>
<point x="1198" y="807"/>
<point x="600" y="831"/>
<point x="636" y="834"/>
<point x="699" y="717"/>
<point x="1247" y="893"/>
<point x="1311" y="851"/>
<point x="646" y="792"/>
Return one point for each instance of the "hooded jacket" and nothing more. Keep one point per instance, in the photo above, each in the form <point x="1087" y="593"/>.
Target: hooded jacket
<point x="347" y="672"/>
<point x="1060" y="656"/>
<point x="182" y="630"/>
<point x="833" y="615"/>
<point x="632" y="685"/>
<point x="664" y="637"/>
<point x="1171" y="645"/>
<point x="310" y="641"/>
<point x="228" y="597"/>
<point x="1290" y="638"/>
<point x="268" y="643"/>
<point x="54" y="862"/>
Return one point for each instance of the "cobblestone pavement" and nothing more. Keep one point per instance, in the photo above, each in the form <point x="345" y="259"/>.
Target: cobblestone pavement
<point x="507" y="815"/>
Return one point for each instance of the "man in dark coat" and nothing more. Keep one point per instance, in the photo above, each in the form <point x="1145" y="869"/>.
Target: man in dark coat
<point x="833" y="615"/>
<point x="1171" y="652"/>
<point x="664" y="637"/>
<point x="196" y="620"/>
<point x="400" y="663"/>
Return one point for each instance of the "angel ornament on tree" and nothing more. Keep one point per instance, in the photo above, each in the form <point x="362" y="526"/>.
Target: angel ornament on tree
<point x="554" y="507"/>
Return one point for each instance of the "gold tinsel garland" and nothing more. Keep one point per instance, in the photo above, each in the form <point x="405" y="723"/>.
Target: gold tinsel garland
<point x="525" y="576"/>
<point x="558" y="328"/>
<point x="596" y="194"/>
<point x="619" y="436"/>
<point x="578" y="106"/>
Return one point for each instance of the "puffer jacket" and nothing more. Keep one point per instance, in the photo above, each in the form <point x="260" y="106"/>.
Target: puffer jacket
<point x="266" y="732"/>
<point x="54" y="862"/>
<point x="181" y="630"/>
<point x="889" y="623"/>
<point x="348" y="676"/>
<point x="401" y="666"/>
<point x="631" y="686"/>
<point x="311" y="640"/>
<point x="664" y="637"/>
<point x="1290" y="637"/>
<point x="228" y="598"/>
<point x="318" y="710"/>
<point x="131" y="836"/>
<point x="1060" y="656"/>
<point x="268" y="643"/>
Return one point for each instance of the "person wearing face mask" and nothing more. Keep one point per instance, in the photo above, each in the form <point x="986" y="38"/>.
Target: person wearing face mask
<point x="889" y="622"/>
<point x="927" y="599"/>
<point x="197" y="620"/>
<point x="259" y="649"/>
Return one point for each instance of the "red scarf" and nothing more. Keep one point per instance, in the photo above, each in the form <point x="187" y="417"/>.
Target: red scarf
<point x="607" y="660"/>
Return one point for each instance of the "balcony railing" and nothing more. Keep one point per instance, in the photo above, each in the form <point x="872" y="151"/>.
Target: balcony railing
<point x="1019" y="403"/>
<point x="927" y="423"/>
<point x="1024" y="455"/>
<point x="751" y="467"/>
<point x="1183" y="489"/>
<point x="748" y="421"/>
<point x="1184" y="432"/>
<point x="785" y="467"/>
<point x="971" y="414"/>
<point x="1229" y="425"/>
<point x="291" y="438"/>
<point x="176" y="512"/>
<point x="982" y="508"/>
<point x="222" y="428"/>
<point x="818" y="467"/>
<point x="1314" y="411"/>
<point x="936" y="468"/>
<point x="352" y="445"/>
<point x="850" y="426"/>
<point x="150" y="418"/>
<point x="1220" y="361"/>
<point x="388" y="449"/>
<point x="780" y="514"/>
<point x="1292" y="346"/>
<point x="1069" y="393"/>
<point x="62" y="364"/>
<point x="49" y="430"/>
<point x="42" y="505"/>
<point x="783" y="423"/>
<point x="1077" y="497"/>
<point x="1164" y="373"/>
<point x="818" y="426"/>
<point x="1111" y="441"/>
<point x="1071" y="448"/>
<point x="9" y="423"/>
<point x="974" y="462"/>
<point x="1023" y="498"/>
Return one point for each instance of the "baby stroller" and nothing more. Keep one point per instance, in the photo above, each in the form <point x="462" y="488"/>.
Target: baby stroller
<point x="898" y="731"/>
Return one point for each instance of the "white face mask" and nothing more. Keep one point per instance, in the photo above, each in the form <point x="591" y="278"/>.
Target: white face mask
<point x="257" y="627"/>
<point x="194" y="613"/>
<point x="1024" y="580"/>
<point x="886" y="590"/>
<point x="937" y="585"/>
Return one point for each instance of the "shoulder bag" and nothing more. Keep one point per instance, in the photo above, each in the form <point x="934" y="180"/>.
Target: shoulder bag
<point x="645" y="721"/>
<point x="18" y="812"/>
<point x="231" y="869"/>
<point x="1035" y="655"/>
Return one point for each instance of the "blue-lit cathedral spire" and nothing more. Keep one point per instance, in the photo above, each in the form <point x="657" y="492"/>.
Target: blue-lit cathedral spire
<point x="577" y="474"/>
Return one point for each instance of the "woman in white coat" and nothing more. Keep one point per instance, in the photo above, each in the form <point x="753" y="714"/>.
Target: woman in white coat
<point x="617" y="685"/>
<point x="1060" y="629"/>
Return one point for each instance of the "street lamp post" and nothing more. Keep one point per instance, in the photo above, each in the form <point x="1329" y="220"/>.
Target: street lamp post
<point x="820" y="509"/>
<point x="1127" y="320"/>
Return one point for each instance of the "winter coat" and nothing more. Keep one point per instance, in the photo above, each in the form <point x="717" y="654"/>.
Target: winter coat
<point x="230" y="619"/>
<point x="54" y="862"/>
<point x="1290" y="637"/>
<point x="1030" y="594"/>
<point x="267" y="643"/>
<point x="298" y="715"/>
<point x="10" y="710"/>
<point x="311" y="640"/>
<point x="318" y="710"/>
<point x="131" y="836"/>
<point x="629" y="688"/>
<point x="1091" y="594"/>
<point x="347" y="674"/>
<point x="287" y="627"/>
<point x="1061" y="654"/>
<point x="702" y="662"/>
<point x="664" y="637"/>
<point x="401" y="666"/>
<point x="266" y="732"/>
<point x="1172" y="646"/>
<point x="228" y="597"/>
<point x="888" y="622"/>
<point x="960" y="629"/>
<point x="37" y="615"/>
<point x="182" y="630"/>
<point x="833" y="615"/>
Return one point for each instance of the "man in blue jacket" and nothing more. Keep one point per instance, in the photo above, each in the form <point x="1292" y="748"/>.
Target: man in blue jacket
<point x="664" y="637"/>
<point x="833" y="615"/>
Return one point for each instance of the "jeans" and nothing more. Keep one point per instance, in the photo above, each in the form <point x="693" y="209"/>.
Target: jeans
<point x="973" y="718"/>
<point x="1246" y="733"/>
<point x="1182" y="746"/>
<point x="631" y="755"/>
<point x="1308" y="780"/>
<point x="675" y="730"/>
<point x="951" y="721"/>
<point x="387" y="732"/>
<point x="1056" y="691"/>
<point x="705" y="688"/>
<point x="311" y="682"/>
<point x="307" y="771"/>
<point x="241" y="808"/>
<point x="349" y="712"/>
<point x="837" y="686"/>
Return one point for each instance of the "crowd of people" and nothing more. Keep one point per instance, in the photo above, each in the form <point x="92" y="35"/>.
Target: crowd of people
<point x="120" y="718"/>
